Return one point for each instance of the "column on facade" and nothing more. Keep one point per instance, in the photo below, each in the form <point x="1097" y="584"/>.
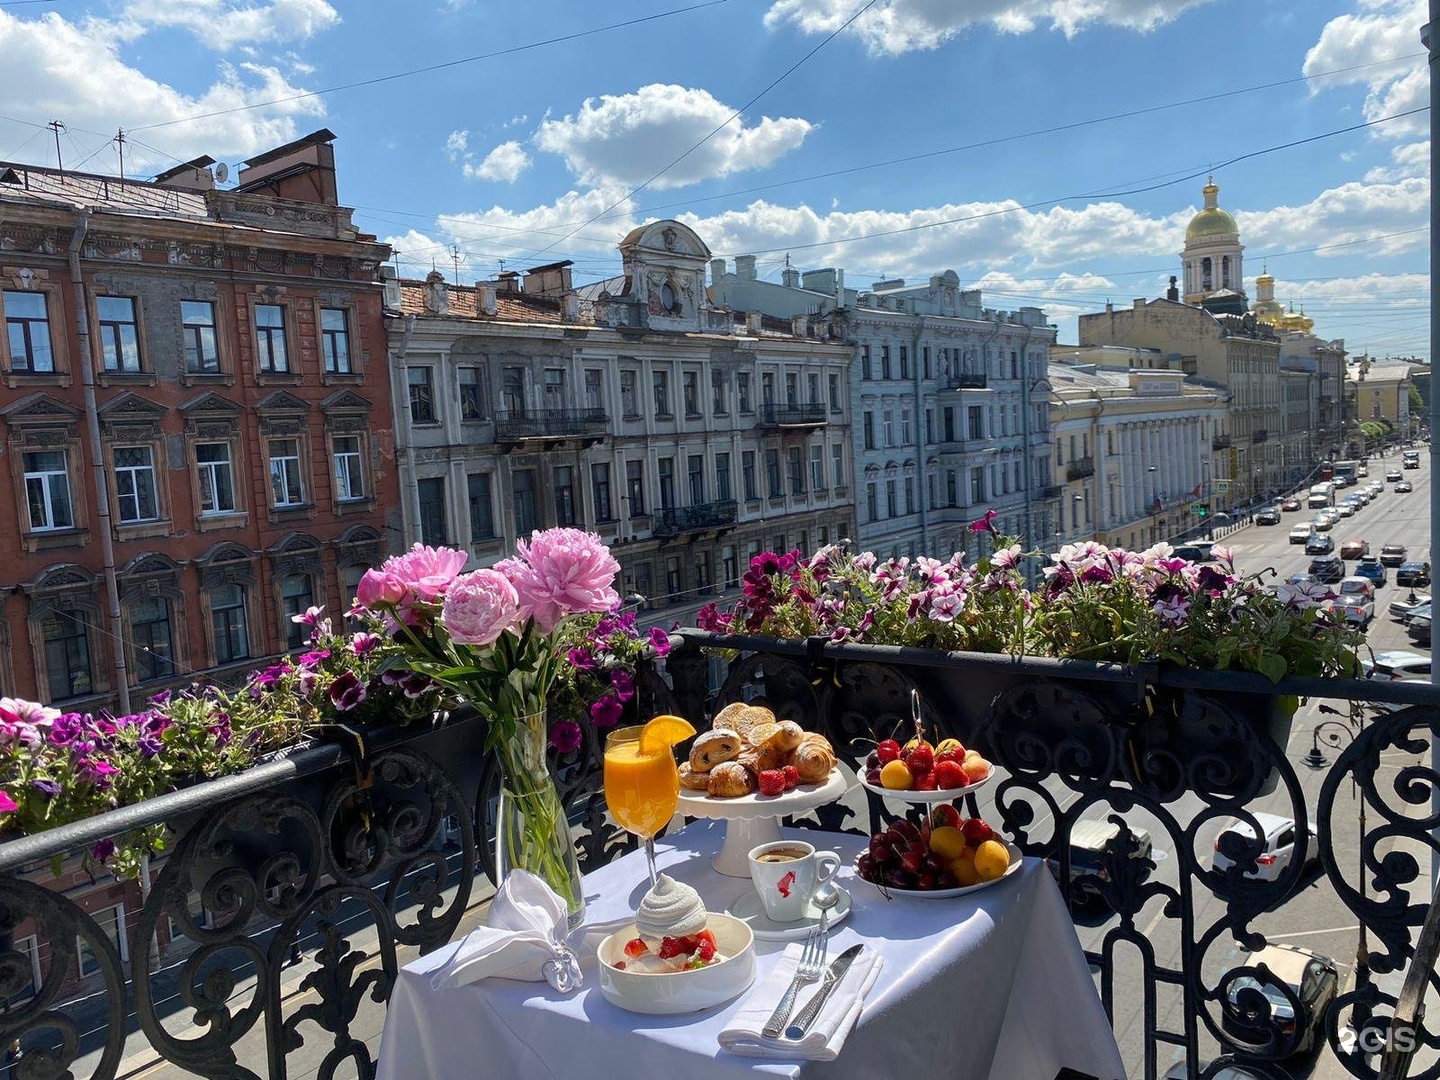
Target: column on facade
<point x="1134" y="455"/>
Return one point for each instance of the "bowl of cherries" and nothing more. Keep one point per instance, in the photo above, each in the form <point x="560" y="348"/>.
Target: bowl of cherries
<point x="919" y="772"/>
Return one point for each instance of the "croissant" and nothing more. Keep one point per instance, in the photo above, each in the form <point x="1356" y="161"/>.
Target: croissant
<point x="813" y="759"/>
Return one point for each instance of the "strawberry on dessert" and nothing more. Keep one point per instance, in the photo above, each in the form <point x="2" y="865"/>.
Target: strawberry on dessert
<point x="671" y="933"/>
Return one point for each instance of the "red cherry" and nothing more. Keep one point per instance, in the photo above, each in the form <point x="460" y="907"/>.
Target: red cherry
<point x="946" y="881"/>
<point x="888" y="750"/>
<point x="948" y="755"/>
<point x="945" y="813"/>
<point x="881" y="850"/>
<point x="873" y="778"/>
<point x="949" y="774"/>
<point x="912" y="862"/>
<point x="772" y="781"/>
<point x="906" y="828"/>
<point x="865" y="867"/>
<point x="977" y="832"/>
<point x="926" y="782"/>
<point x="925" y="881"/>
<point x="920" y="760"/>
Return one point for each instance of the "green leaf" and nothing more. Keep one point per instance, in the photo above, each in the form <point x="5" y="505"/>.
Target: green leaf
<point x="1273" y="666"/>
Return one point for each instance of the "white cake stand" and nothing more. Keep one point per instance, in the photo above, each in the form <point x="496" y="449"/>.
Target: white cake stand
<point x="752" y="820"/>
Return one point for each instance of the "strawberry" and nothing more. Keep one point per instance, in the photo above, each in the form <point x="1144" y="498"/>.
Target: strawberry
<point x="706" y="949"/>
<point x="635" y="947"/>
<point x="792" y="777"/>
<point x="944" y="813"/>
<point x="772" y="781"/>
<point x="703" y="937"/>
<point x="977" y="832"/>
<point x="950" y="774"/>
<point x="921" y="760"/>
<point x="671" y="946"/>
<point x="926" y="782"/>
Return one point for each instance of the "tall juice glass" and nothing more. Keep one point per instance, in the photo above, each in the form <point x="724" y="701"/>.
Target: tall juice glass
<point x="642" y="786"/>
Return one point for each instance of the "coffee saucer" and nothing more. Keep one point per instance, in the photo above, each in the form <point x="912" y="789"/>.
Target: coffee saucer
<point x="749" y="910"/>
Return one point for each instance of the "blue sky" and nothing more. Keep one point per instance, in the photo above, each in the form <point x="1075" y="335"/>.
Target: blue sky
<point x="1002" y="107"/>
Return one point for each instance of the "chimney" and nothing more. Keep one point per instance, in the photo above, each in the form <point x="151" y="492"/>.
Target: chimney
<point x="570" y="307"/>
<point x="791" y="277"/>
<point x="1139" y="304"/>
<point x="507" y="281"/>
<point x="745" y="267"/>
<point x="191" y="176"/>
<point x="437" y="296"/>
<point x="800" y="326"/>
<point x="303" y="170"/>
<point x="551" y="280"/>
<point x="391" y="282"/>
<point x="717" y="271"/>
<point x="753" y="322"/>
<point x="485" y="298"/>
<point x="1172" y="293"/>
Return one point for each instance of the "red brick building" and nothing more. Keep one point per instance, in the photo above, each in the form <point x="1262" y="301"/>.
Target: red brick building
<point x="195" y="421"/>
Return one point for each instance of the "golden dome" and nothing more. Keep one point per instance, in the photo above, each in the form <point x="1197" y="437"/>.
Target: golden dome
<point x="1266" y="278"/>
<point x="1269" y="311"/>
<point x="1211" y="221"/>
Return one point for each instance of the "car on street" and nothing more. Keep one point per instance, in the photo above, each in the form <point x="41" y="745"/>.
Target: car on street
<point x="1413" y="574"/>
<point x="1322" y="522"/>
<point x="1393" y="476"/>
<point x="1236" y="845"/>
<point x="1301" y="579"/>
<point x="1392" y="554"/>
<point x="1269" y="516"/>
<point x="1196" y="552"/>
<point x="1320" y="544"/>
<point x="1356" y="602"/>
<point x="1329" y="569"/>
<point x="1402" y="607"/>
<point x="1302" y="532"/>
<point x="1092" y="845"/>
<point x="1376" y="488"/>
<point x="1397" y="664"/>
<point x="1354" y="549"/>
<point x="1411" y="460"/>
<point x="1290" y="505"/>
<point x="1347" y="509"/>
<point x="1418" y="628"/>
<point x="1372" y="569"/>
<point x="1312" y="981"/>
<point x="1404" y="487"/>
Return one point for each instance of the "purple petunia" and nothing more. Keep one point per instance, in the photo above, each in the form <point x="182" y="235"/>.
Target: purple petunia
<point x="48" y="788"/>
<point x="565" y="736"/>
<point x="103" y="849"/>
<point x="581" y="660"/>
<point x="606" y="712"/>
<point x="347" y="691"/>
<point x="623" y="684"/>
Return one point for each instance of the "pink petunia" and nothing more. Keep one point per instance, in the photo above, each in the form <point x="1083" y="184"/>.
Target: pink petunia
<point x="7" y="804"/>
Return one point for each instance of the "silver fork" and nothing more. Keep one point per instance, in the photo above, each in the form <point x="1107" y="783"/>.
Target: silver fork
<point x="811" y="961"/>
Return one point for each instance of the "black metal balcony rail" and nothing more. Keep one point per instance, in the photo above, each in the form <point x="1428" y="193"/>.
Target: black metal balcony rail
<point x="514" y="425"/>
<point x="1259" y="435"/>
<point x="1080" y="468"/>
<point x="793" y="416"/>
<point x="353" y="851"/>
<point x="965" y="380"/>
<point x="1220" y="442"/>
<point x="674" y="520"/>
<point x="1048" y="491"/>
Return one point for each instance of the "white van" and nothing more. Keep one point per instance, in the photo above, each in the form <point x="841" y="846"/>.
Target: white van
<point x="1322" y="495"/>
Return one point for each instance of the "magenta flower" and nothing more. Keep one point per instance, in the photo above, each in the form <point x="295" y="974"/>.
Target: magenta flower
<point x="309" y="617"/>
<point x="7" y="804"/>
<point x="565" y="736"/>
<point x="562" y="572"/>
<point x="622" y="683"/>
<point x="103" y="849"/>
<point x="479" y="607"/>
<point x="314" y="659"/>
<point x="659" y="641"/>
<point x="363" y="642"/>
<point x="31" y="712"/>
<point x="581" y="660"/>
<point x="607" y="711"/>
<point x="985" y="524"/>
<point x="347" y="691"/>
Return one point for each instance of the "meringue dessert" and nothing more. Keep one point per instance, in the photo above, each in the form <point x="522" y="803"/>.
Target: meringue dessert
<point x="670" y="929"/>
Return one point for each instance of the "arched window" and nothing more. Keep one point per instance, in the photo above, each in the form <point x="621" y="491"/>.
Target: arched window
<point x="1206" y="274"/>
<point x="154" y="644"/>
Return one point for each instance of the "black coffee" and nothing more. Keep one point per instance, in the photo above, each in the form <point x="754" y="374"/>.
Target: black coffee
<point x="783" y="854"/>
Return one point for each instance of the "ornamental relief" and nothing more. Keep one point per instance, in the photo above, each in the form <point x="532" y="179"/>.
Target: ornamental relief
<point x="212" y="430"/>
<point x="282" y="427"/>
<point x="45" y="437"/>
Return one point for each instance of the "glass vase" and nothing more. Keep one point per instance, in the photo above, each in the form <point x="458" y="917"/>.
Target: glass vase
<point x="531" y="830"/>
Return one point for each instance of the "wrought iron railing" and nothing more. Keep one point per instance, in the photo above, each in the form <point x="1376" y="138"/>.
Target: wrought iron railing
<point x="1048" y="491"/>
<point x="674" y="520"/>
<point x="784" y="416"/>
<point x="966" y="380"/>
<point x="1260" y="435"/>
<point x="522" y="424"/>
<point x="1080" y="468"/>
<point x="1220" y="442"/>
<point x="354" y="851"/>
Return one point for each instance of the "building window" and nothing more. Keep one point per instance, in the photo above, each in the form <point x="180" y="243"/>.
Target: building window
<point x="835" y="403"/>
<point x="554" y="389"/>
<point x="119" y="334"/>
<point x="135" y="484"/>
<point x="564" y="479"/>
<point x="635" y="487"/>
<point x="627" y="394"/>
<point x="672" y="577"/>
<point x="934" y="487"/>
<point x="869" y="426"/>
<point x="722" y="477"/>
<point x="977" y="422"/>
<point x="767" y="388"/>
<point x="522" y="491"/>
<point x="891" y="509"/>
<point x="797" y="472"/>
<point x="717" y="393"/>
<point x="67" y="655"/>
<point x="866" y="372"/>
<point x="594" y="390"/>
<point x="512" y="391"/>
<point x="772" y="473"/>
<point x="742" y="391"/>
<point x="792" y="389"/>
<point x="837" y="464"/>
<point x="112" y="923"/>
<point x="47" y="490"/>
<point x="977" y="485"/>
<point x="696" y="470"/>
<point x="297" y="596"/>
<point x="888" y="419"/>
<point x="150" y="631"/>
<point x="814" y="386"/>
<point x="229" y="623"/>
<point x="472" y="403"/>
<point x="817" y="467"/>
<point x="952" y="492"/>
<point x="910" y="506"/>
<point x="27" y="327"/>
<point x="482" y="513"/>
<point x="690" y="385"/>
<point x="949" y="424"/>
<point x="925" y="354"/>
<point x="197" y="327"/>
<point x="422" y="394"/>
<point x="335" y="340"/>
<point x="730" y="566"/>
<point x="905" y="434"/>
<point x="667" y="483"/>
<point x="747" y="474"/>
<point x="286" y="486"/>
<point x="872" y="501"/>
<point x="349" y="469"/>
<point x="904" y="362"/>
<point x="431" y="490"/>
<point x="884" y="361"/>
<point x="270" y="338"/>
<point x="600" y="487"/>
<point x="217" y="481"/>
<point x="661" y="382"/>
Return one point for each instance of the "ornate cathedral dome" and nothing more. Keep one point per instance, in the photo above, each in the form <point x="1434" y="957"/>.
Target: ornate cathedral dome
<point x="1211" y="221"/>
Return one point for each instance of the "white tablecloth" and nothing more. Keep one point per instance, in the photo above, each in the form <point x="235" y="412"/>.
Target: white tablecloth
<point x="990" y="985"/>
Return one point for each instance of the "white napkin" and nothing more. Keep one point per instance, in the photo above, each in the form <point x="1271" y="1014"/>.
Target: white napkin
<point x="827" y="1035"/>
<point x="525" y="938"/>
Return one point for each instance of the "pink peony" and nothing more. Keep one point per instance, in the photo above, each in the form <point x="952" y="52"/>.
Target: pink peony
<point x="563" y="572"/>
<point x="376" y="588"/>
<point x="425" y="571"/>
<point x="479" y="607"/>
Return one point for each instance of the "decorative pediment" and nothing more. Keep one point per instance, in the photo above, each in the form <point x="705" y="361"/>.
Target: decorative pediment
<point x="226" y="551"/>
<point x="281" y="401"/>
<point x="151" y="563"/>
<point x="295" y="543"/>
<point x="210" y="405"/>
<point x="345" y="400"/>
<point x="131" y="408"/>
<point x="358" y="534"/>
<point x="40" y="408"/>
<point x="60" y="577"/>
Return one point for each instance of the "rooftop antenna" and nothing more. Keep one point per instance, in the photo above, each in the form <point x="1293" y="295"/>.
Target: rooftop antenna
<point x="119" y="141"/>
<point x="455" y="258"/>
<point x="58" y="126"/>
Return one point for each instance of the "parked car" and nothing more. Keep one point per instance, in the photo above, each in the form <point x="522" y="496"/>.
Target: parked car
<point x="1393" y="475"/>
<point x="1091" y="843"/>
<point x="1402" y="607"/>
<point x="1328" y="568"/>
<point x="1398" y="664"/>
<point x="1320" y="544"/>
<point x="1312" y="980"/>
<point x="1197" y="552"/>
<point x="1354" y="549"/>
<point x="1413" y="574"/>
<point x="1302" y="532"/>
<point x="1404" y="487"/>
<point x="1323" y="522"/>
<point x="1346" y="509"/>
<point x="1290" y="505"/>
<point x="1376" y="488"/>
<point x="1418" y="628"/>
<point x="1269" y="516"/>
<point x="1372" y="568"/>
<point x="1236" y="843"/>
<point x="1392" y="554"/>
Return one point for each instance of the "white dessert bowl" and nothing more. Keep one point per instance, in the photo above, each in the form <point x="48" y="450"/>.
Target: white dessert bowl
<point x="672" y="992"/>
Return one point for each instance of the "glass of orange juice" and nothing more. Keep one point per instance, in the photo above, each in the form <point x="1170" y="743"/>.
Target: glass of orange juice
<point x="642" y="786"/>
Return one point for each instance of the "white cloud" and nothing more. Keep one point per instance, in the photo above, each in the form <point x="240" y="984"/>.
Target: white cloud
<point x="457" y="144"/>
<point x="504" y="164"/>
<point x="899" y="26"/>
<point x="1410" y="159"/>
<point x="1380" y="44"/>
<point x="223" y="25"/>
<point x="1342" y="215"/>
<point x="627" y="138"/>
<point x="75" y="72"/>
<point x="499" y="233"/>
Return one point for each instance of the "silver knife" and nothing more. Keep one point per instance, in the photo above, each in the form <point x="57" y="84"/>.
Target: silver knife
<point x="833" y="974"/>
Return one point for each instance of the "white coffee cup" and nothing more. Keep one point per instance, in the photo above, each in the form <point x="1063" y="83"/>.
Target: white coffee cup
<point x="786" y="874"/>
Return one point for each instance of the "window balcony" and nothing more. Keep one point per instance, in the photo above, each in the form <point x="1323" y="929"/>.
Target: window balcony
<point x="1259" y="435"/>
<point x="675" y="520"/>
<point x="550" y="425"/>
<point x="1220" y="442"/>
<point x="1049" y="491"/>
<point x="784" y="417"/>
<point x="1080" y="468"/>
<point x="965" y="380"/>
